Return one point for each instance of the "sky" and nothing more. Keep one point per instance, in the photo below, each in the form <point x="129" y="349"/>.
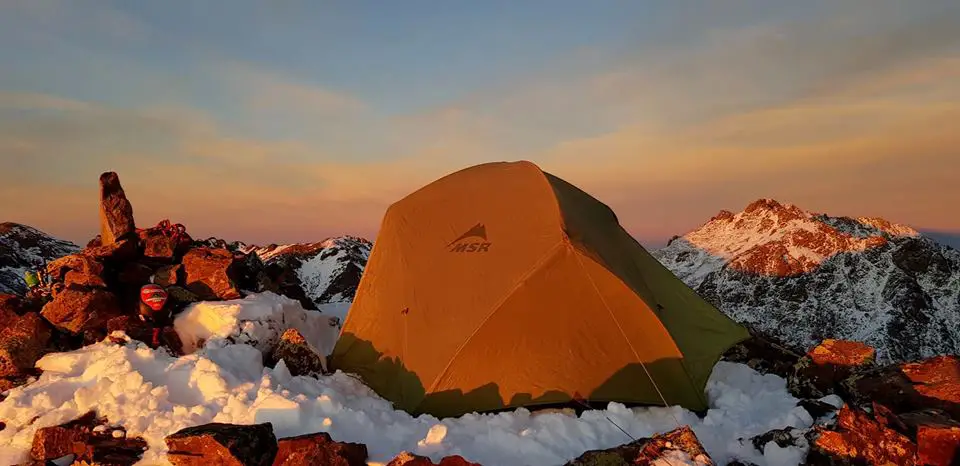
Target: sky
<point x="295" y="120"/>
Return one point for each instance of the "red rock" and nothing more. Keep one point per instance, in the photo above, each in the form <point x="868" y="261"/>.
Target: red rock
<point x="300" y="357"/>
<point x="78" y="438"/>
<point x="223" y="444"/>
<point x="22" y="343"/>
<point x="648" y="450"/>
<point x="77" y="270"/>
<point x="133" y="327"/>
<point x="50" y="443"/>
<point x="409" y="459"/>
<point x="116" y="212"/>
<point x="827" y="365"/>
<point x="209" y="273"/>
<point x="319" y="450"/>
<point x="13" y="304"/>
<point x="7" y="316"/>
<point x="77" y="310"/>
<point x="933" y="383"/>
<point x="859" y="438"/>
<point x="939" y="445"/>
<point x="168" y="275"/>
<point x="118" y="252"/>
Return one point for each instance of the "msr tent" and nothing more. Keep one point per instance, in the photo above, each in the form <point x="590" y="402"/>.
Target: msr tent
<point x="501" y="285"/>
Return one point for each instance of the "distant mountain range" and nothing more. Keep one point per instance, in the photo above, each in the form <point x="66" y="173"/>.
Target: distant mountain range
<point x="804" y="276"/>
<point x="24" y="248"/>
<point x="798" y="275"/>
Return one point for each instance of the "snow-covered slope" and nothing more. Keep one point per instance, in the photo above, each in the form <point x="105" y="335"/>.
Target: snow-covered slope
<point x="803" y="277"/>
<point x="24" y="248"/>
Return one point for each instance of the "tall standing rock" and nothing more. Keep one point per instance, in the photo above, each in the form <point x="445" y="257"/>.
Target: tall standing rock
<point x="116" y="213"/>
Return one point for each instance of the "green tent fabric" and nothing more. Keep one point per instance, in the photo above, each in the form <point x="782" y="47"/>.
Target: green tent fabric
<point x="500" y="286"/>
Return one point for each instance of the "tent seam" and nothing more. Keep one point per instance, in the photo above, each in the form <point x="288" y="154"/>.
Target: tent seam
<point x="620" y="328"/>
<point x="496" y="307"/>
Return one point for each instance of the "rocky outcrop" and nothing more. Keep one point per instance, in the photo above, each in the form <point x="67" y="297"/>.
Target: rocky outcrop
<point x="409" y="459"/>
<point x="223" y="444"/>
<point x="679" y="444"/>
<point x="77" y="270"/>
<point x="23" y="248"/>
<point x="829" y="365"/>
<point x="803" y="277"/>
<point x="319" y="450"/>
<point x="860" y="438"/>
<point x="116" y="212"/>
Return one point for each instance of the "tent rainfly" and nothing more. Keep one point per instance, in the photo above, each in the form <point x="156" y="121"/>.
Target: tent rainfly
<point x="500" y="286"/>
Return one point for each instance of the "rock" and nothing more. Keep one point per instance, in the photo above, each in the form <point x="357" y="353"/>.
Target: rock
<point x="932" y="383"/>
<point x="88" y="445"/>
<point x="116" y="212"/>
<point x="209" y="273"/>
<point x="180" y="296"/>
<point x="159" y="245"/>
<point x="764" y="354"/>
<point x="22" y="343"/>
<point x="787" y="437"/>
<point x="409" y="459"/>
<point x="75" y="310"/>
<point x="119" y="252"/>
<point x="679" y="442"/>
<point x="223" y="444"/>
<point x="859" y="438"/>
<point x="135" y="274"/>
<point x="300" y="357"/>
<point x="78" y="270"/>
<point x="7" y="314"/>
<point x="170" y="339"/>
<point x="937" y="436"/>
<point x="12" y="304"/>
<point x="817" y="408"/>
<point x="319" y="450"/>
<point x="168" y="275"/>
<point x="827" y="365"/>
<point x="133" y="327"/>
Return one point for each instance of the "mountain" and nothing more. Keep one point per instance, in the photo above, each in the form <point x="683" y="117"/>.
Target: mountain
<point x="317" y="274"/>
<point x="804" y="277"/>
<point x="24" y="248"/>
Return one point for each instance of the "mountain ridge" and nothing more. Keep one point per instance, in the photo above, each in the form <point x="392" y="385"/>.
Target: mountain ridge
<point x="804" y="277"/>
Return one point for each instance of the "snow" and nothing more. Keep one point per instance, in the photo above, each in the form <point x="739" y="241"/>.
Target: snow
<point x="258" y="320"/>
<point x="317" y="272"/>
<point x="153" y="394"/>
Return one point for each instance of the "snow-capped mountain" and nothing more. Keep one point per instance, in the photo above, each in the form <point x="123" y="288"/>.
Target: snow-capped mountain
<point x="328" y="271"/>
<point x="24" y="248"/>
<point x="804" y="276"/>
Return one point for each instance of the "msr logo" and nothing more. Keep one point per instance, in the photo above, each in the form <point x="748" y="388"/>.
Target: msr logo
<point x="463" y="243"/>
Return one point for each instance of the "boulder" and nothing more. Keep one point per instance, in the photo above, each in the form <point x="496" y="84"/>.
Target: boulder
<point x="937" y="436"/>
<point x="89" y="445"/>
<point x="859" y="438"/>
<point x="168" y="275"/>
<point x="678" y="444"/>
<point x="12" y="304"/>
<point x="7" y="314"/>
<point x="827" y="365"/>
<point x="409" y="459"/>
<point x="160" y="246"/>
<point x="77" y="270"/>
<point x="116" y="212"/>
<point x="932" y="383"/>
<point x="223" y="444"/>
<point x="132" y="326"/>
<point x="764" y="354"/>
<point x="22" y="342"/>
<point x="209" y="273"/>
<point x="300" y="357"/>
<point x="319" y="450"/>
<point x="75" y="310"/>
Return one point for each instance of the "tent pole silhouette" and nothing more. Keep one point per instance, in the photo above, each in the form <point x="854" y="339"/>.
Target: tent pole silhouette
<point x="501" y="285"/>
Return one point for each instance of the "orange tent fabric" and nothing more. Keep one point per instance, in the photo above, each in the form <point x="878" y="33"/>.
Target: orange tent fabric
<point x="502" y="286"/>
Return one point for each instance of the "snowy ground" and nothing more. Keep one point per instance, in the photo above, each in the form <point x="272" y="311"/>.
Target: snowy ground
<point x="154" y="394"/>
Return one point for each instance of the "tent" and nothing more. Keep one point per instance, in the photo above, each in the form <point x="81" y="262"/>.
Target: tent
<point x="500" y="286"/>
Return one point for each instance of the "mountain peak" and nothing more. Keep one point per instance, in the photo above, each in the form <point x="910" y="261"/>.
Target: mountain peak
<point x="770" y="237"/>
